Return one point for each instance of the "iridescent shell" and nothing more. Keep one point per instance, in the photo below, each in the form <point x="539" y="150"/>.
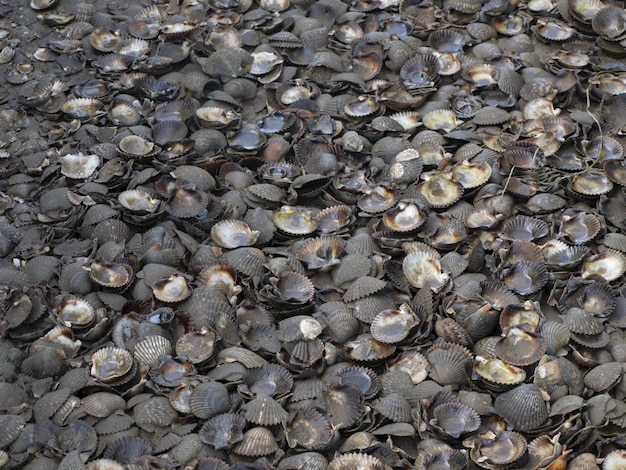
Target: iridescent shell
<point x="497" y="371"/>
<point x="610" y="264"/>
<point x="321" y="253"/>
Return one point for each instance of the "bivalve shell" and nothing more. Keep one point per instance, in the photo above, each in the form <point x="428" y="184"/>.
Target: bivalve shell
<point x="524" y="407"/>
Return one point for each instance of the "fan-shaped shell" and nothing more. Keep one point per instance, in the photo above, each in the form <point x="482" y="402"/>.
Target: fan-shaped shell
<point x="523" y="407"/>
<point x="110" y="364"/>
<point x="450" y="363"/>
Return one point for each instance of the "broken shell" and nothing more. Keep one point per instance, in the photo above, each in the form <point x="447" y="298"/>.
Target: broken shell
<point x="79" y="166"/>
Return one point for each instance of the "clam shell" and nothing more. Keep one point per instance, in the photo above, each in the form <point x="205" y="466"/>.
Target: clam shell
<point x="523" y="407"/>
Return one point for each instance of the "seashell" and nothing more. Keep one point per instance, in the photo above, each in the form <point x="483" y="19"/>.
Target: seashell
<point x="377" y="199"/>
<point x="447" y="40"/>
<point x="523" y="407"/>
<point x="524" y="228"/>
<point x="334" y="219"/>
<point x="610" y="264"/>
<point x="363" y="287"/>
<point x="364" y="348"/>
<point x="186" y="202"/>
<point x="265" y="411"/>
<point x="579" y="227"/>
<point x="233" y="234"/>
<point x="109" y="274"/>
<point x="420" y="73"/>
<point x="393" y="326"/>
<point x="614" y="459"/>
<point x="74" y="279"/>
<point x="75" y="312"/>
<point x="111" y="364"/>
<point x="609" y="22"/>
<point x="440" y="191"/>
<point x="498" y="372"/>
<point x="395" y="407"/>
<point x="451" y="331"/>
<point x="498" y="450"/>
<point x="82" y="108"/>
<point x="490" y="116"/>
<point x="454" y="419"/>
<point x="103" y="404"/>
<point x="173" y="289"/>
<point x="441" y="120"/>
<point x="257" y="441"/>
<point x="149" y="350"/>
<point x="79" y="166"/>
<point x="407" y="215"/>
<point x="223" y="431"/>
<point x="209" y="399"/>
<point x="525" y="277"/>
<point x="321" y="253"/>
<point x="450" y="363"/>
<point x="423" y="270"/>
<point x="603" y="377"/>
<point x="592" y="183"/>
<point x="355" y="460"/>
<point x="582" y="322"/>
<point x="520" y="348"/>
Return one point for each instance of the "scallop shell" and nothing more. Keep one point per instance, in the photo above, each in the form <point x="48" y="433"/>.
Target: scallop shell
<point x="265" y="411"/>
<point x="450" y="363"/>
<point x="421" y="72"/>
<point x="498" y="450"/>
<point x="524" y="228"/>
<point x="257" y="441"/>
<point x="520" y="348"/>
<point x="395" y="407"/>
<point x="148" y="351"/>
<point x="173" y="289"/>
<point x="407" y="215"/>
<point x="79" y="166"/>
<point x="423" y="270"/>
<point x="309" y="429"/>
<point x="233" y="234"/>
<point x="454" y="419"/>
<point x="440" y="191"/>
<point x="523" y="407"/>
<point x="111" y="364"/>
<point x="355" y="460"/>
<point x="109" y="274"/>
<point x="103" y="404"/>
<point x="209" y="399"/>
<point x="525" y="277"/>
<point x="497" y="371"/>
<point x="393" y="326"/>
<point x="321" y="253"/>
<point x="604" y="377"/>
<point x="609" y="264"/>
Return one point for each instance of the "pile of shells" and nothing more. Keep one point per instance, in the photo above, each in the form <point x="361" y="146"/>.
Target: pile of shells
<point x="295" y="234"/>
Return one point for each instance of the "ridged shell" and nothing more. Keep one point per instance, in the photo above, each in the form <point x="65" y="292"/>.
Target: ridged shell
<point x="523" y="407"/>
<point x="454" y="419"/>
<point x="103" y="404"/>
<point x="110" y="364"/>
<point x="363" y="287"/>
<point x="223" y="431"/>
<point x="209" y="399"/>
<point x="354" y="461"/>
<point x="256" y="442"/>
<point x="450" y="363"/>
<point x="149" y="350"/>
